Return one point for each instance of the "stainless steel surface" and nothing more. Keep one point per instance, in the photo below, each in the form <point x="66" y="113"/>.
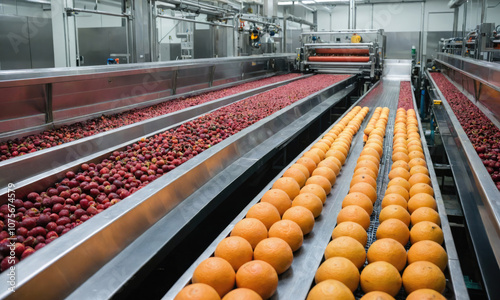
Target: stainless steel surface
<point x="25" y="43"/>
<point x="399" y="44"/>
<point x="397" y="69"/>
<point x="78" y="93"/>
<point x="478" y="78"/>
<point x="97" y="12"/>
<point x="76" y="256"/>
<point x="111" y="40"/>
<point x="301" y="255"/>
<point x="433" y="37"/>
<point x="295" y="283"/>
<point x="479" y="197"/>
<point x="456" y="276"/>
<point x="123" y="269"/>
<point x="34" y="171"/>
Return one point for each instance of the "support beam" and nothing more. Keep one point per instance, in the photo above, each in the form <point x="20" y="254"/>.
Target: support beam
<point x="352" y="14"/>
<point x="455" y="22"/>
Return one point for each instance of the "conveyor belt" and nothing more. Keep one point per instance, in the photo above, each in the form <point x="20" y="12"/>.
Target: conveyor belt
<point x="35" y="170"/>
<point x="478" y="195"/>
<point x="339" y="58"/>
<point x="296" y="282"/>
<point x="83" y="248"/>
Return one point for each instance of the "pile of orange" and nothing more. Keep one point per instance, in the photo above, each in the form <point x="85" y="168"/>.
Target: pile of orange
<point x="261" y="245"/>
<point x="345" y="254"/>
<point x="409" y="200"/>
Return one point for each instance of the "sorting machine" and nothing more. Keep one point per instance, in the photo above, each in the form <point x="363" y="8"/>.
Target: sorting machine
<point x="117" y="252"/>
<point x="338" y="52"/>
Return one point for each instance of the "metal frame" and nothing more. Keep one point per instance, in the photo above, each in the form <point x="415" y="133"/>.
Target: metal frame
<point x="479" y="196"/>
<point x="83" y="92"/>
<point x="73" y="258"/>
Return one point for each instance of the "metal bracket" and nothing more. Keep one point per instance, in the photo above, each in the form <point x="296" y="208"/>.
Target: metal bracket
<point x="49" y="117"/>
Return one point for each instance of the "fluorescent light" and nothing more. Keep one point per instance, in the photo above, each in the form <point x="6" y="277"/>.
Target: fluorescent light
<point x="308" y="1"/>
<point x="331" y="1"/>
<point x="285" y="3"/>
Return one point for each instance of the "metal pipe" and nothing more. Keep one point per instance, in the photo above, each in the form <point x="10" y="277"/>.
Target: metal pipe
<point x="300" y="20"/>
<point x="483" y="11"/>
<point x="97" y="12"/>
<point x="257" y="21"/>
<point x="455" y="21"/>
<point x="352" y="17"/>
<point x="421" y="54"/>
<point x="464" y="29"/>
<point x="193" y="21"/>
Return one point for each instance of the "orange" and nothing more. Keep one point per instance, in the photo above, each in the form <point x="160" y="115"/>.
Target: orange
<point x="278" y="198"/>
<point x="288" y="185"/>
<point x="341" y="147"/>
<point x="326" y="141"/>
<point x="313" y="155"/>
<point x="376" y="295"/>
<point x="419" y="178"/>
<point x="394" y="199"/>
<point x="319" y="152"/>
<point x="394" y="229"/>
<point x="259" y="276"/>
<point x="426" y="230"/>
<point x="399" y="172"/>
<point x="423" y="275"/>
<point x="330" y="289"/>
<point x="368" y="164"/>
<point x="395" y="212"/>
<point x="302" y="216"/>
<point x="302" y="168"/>
<point x="371" y="158"/>
<point x="418" y="188"/>
<point x="335" y="160"/>
<point x="347" y="247"/>
<point x="399" y="181"/>
<point x="421" y="200"/>
<point x="321" y="145"/>
<point x="197" y="291"/>
<point x="308" y="163"/>
<point x="400" y="164"/>
<point x="360" y="200"/>
<point x="264" y="212"/>
<point x="330" y="135"/>
<point x="380" y="276"/>
<point x="341" y="269"/>
<point x="417" y="162"/>
<point x="425" y="294"/>
<point x="310" y="201"/>
<point x="321" y="181"/>
<point x="397" y="189"/>
<point x="365" y="188"/>
<point x="428" y="251"/>
<point x="331" y="165"/>
<point x="217" y="273"/>
<point x="364" y="178"/>
<point x="415" y="148"/>
<point x="365" y="171"/>
<point x="354" y="213"/>
<point x="242" y="294"/>
<point x="337" y="154"/>
<point x="414" y="141"/>
<point x="316" y="190"/>
<point x="350" y="229"/>
<point x="275" y="252"/>
<point x="388" y="250"/>
<point x="376" y="145"/>
<point x="326" y="173"/>
<point x="236" y="250"/>
<point x="289" y="231"/>
<point x="251" y="230"/>
<point x="425" y="214"/>
<point x="296" y="174"/>
<point x="416" y="154"/>
<point x="370" y="151"/>
<point x="400" y="156"/>
<point x="419" y="169"/>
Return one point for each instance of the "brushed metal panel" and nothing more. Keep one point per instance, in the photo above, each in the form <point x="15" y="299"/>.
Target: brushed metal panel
<point x="398" y="44"/>
<point x="193" y="78"/>
<point x="204" y="43"/>
<point x="15" y="43"/>
<point x="97" y="44"/>
<point x="433" y="38"/>
<point x="42" y="47"/>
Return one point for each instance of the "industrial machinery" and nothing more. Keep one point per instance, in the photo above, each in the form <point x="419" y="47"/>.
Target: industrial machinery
<point x="257" y="35"/>
<point x="335" y="51"/>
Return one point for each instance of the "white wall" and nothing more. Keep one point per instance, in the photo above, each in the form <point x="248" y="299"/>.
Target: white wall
<point x="93" y="20"/>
